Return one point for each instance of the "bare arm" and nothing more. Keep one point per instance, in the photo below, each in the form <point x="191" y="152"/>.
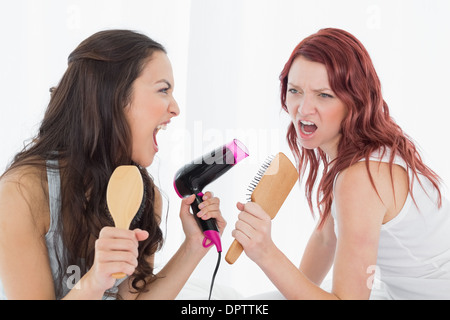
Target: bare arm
<point x="24" y="265"/>
<point x="172" y="278"/>
<point x="319" y="253"/>
<point x="25" y="270"/>
<point x="253" y="232"/>
<point x="360" y="213"/>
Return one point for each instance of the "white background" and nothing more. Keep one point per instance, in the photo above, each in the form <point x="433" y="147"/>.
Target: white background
<point x="227" y="56"/>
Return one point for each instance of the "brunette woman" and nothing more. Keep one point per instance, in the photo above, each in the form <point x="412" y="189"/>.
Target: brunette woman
<point x="381" y="208"/>
<point x="57" y="239"/>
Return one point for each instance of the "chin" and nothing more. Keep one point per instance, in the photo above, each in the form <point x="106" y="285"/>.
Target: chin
<point x="146" y="161"/>
<point x="308" y="147"/>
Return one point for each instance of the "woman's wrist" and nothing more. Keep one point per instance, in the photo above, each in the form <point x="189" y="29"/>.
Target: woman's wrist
<point x="194" y="246"/>
<point x="86" y="289"/>
<point x="267" y="256"/>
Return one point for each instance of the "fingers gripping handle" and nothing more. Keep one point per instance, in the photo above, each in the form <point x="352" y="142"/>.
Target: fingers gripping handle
<point x="209" y="227"/>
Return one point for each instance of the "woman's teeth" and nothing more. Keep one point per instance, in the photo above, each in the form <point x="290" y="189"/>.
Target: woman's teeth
<point x="161" y="127"/>
<point x="307" y="127"/>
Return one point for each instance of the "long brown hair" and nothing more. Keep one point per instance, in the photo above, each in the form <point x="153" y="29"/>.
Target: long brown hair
<point x="85" y="128"/>
<point x="368" y="125"/>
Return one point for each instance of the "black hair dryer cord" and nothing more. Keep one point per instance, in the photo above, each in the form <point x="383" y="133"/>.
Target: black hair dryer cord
<point x="214" y="275"/>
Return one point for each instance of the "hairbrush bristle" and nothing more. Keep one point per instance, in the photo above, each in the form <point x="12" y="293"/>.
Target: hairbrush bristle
<point x="262" y="170"/>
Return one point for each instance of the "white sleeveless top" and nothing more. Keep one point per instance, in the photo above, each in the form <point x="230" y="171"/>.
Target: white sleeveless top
<point x="414" y="248"/>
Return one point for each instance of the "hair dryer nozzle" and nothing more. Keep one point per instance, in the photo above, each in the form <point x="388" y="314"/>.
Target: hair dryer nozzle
<point x="239" y="150"/>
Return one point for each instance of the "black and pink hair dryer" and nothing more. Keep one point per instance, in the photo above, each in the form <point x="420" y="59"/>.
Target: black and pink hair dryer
<point x="193" y="177"/>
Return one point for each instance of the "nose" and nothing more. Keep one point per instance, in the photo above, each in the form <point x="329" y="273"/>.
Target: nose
<point x="306" y="106"/>
<point x="174" y="110"/>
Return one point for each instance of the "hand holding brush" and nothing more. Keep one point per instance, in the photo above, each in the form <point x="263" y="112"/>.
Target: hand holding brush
<point x="268" y="191"/>
<point x="253" y="230"/>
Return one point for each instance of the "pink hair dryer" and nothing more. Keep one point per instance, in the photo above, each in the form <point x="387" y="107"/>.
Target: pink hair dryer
<point x="193" y="177"/>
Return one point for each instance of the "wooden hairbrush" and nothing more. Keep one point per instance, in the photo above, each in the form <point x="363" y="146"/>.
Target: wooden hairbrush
<point x="124" y="197"/>
<point x="270" y="188"/>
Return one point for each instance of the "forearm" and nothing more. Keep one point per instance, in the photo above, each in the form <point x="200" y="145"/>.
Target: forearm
<point x="289" y="280"/>
<point x="317" y="260"/>
<point x="319" y="253"/>
<point x="84" y="290"/>
<point x="172" y="278"/>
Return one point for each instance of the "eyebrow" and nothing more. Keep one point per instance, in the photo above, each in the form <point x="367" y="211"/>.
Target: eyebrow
<point x="323" y="89"/>
<point x="315" y="90"/>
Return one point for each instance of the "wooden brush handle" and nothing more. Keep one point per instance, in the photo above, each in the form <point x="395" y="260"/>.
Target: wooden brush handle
<point x="118" y="275"/>
<point x="234" y="252"/>
<point x="270" y="193"/>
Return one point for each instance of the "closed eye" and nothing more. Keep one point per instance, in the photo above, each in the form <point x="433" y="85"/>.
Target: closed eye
<point x="164" y="90"/>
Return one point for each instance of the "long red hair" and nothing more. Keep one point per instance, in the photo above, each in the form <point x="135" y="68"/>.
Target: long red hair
<point x="368" y="125"/>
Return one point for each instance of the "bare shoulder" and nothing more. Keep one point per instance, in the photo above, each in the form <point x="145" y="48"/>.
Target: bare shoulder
<point x="23" y="196"/>
<point x="385" y="187"/>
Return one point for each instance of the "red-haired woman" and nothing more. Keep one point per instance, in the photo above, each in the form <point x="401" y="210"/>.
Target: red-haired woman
<point x="380" y="206"/>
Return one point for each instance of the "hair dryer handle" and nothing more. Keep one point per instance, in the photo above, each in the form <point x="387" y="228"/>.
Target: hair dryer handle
<point x="209" y="227"/>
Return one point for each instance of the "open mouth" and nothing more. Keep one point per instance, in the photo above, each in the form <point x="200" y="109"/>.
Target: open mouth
<point x="307" y="127"/>
<point x="155" y="132"/>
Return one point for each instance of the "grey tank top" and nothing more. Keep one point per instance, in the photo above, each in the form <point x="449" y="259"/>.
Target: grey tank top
<point x="54" y="242"/>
